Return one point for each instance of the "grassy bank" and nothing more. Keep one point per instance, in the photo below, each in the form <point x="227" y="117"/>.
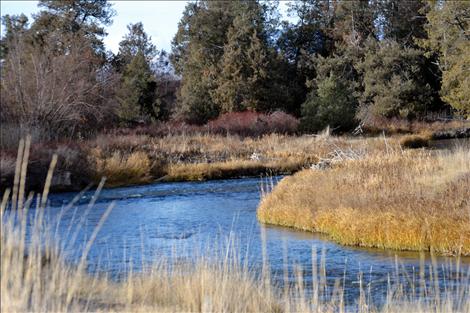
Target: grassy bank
<point x="405" y="200"/>
<point x="237" y="145"/>
<point x="139" y="159"/>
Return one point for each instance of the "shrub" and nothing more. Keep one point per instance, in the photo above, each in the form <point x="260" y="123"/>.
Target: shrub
<point x="331" y="104"/>
<point x="249" y="123"/>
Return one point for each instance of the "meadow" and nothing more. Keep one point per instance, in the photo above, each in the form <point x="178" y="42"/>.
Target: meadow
<point x="127" y="159"/>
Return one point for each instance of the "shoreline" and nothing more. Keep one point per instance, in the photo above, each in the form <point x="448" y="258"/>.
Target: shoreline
<point x="130" y="160"/>
<point x="413" y="201"/>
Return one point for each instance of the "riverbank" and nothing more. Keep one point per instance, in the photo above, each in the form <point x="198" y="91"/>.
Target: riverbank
<point x="139" y="157"/>
<point x="403" y="200"/>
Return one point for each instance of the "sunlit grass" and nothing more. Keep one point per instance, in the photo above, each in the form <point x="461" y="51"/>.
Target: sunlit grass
<point x="398" y="200"/>
<point x="121" y="169"/>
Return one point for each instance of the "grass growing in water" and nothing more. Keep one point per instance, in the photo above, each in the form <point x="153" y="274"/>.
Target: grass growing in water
<point x="398" y="200"/>
<point x="35" y="278"/>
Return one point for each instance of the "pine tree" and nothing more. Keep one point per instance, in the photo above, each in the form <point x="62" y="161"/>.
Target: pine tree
<point x="67" y="19"/>
<point x="355" y="22"/>
<point x="134" y="41"/>
<point x="312" y="34"/>
<point x="402" y="21"/>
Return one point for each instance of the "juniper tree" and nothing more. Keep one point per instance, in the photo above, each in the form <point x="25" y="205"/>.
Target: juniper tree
<point x="197" y="49"/>
<point x="137" y="95"/>
<point x="244" y="79"/>
<point x="448" y="37"/>
<point x="394" y="82"/>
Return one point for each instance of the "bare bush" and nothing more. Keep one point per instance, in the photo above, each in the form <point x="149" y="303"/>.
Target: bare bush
<point x="63" y="93"/>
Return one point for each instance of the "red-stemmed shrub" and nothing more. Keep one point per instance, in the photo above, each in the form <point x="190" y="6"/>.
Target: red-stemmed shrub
<point x="249" y="123"/>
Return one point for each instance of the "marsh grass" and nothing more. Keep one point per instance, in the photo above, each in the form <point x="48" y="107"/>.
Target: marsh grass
<point x="133" y="168"/>
<point x="415" y="141"/>
<point x="404" y="200"/>
<point x="36" y="278"/>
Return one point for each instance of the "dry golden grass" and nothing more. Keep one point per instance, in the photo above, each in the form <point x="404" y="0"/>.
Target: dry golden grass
<point x="120" y="169"/>
<point x="415" y="141"/>
<point x="34" y="277"/>
<point x="204" y="156"/>
<point x="398" y="200"/>
<point x="133" y="159"/>
<point x="236" y="168"/>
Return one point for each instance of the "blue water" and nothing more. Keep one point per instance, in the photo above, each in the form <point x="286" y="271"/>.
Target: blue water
<point x="185" y="220"/>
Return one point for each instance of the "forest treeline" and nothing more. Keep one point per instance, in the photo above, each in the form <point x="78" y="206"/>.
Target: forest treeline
<point x="335" y="63"/>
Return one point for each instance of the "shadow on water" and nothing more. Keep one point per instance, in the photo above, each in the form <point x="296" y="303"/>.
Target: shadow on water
<point x="450" y="144"/>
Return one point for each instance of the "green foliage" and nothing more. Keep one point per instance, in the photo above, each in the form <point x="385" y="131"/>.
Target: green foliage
<point x="197" y="49"/>
<point x="137" y="96"/>
<point x="243" y="83"/>
<point x="332" y="104"/>
<point x="134" y="41"/>
<point x="448" y="36"/>
<point x="68" y="17"/>
<point x="402" y="21"/>
<point x="206" y="52"/>
<point x="394" y="82"/>
<point x="15" y="26"/>
<point x="354" y="22"/>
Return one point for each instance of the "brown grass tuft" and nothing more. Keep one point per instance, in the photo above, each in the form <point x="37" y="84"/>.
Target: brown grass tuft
<point x="415" y="141"/>
<point x="120" y="169"/>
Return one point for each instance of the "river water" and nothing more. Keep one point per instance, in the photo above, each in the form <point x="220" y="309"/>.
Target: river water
<point x="182" y="220"/>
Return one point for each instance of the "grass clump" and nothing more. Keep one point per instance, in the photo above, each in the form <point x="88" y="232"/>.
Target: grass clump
<point x="415" y="141"/>
<point x="121" y="169"/>
<point x="404" y="201"/>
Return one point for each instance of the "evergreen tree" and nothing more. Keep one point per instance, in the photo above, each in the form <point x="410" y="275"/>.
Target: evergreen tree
<point x="66" y="19"/>
<point x="243" y="83"/>
<point x="402" y="21"/>
<point x="332" y="104"/>
<point x="309" y="34"/>
<point x="394" y="82"/>
<point x="355" y="22"/>
<point x="137" y="96"/>
<point x="448" y="37"/>
<point x="134" y="41"/>
<point x="15" y="26"/>
<point x="333" y="99"/>
<point x="312" y="34"/>
<point x="197" y="49"/>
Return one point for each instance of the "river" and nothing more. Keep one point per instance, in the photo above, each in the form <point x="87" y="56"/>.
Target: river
<point x="189" y="219"/>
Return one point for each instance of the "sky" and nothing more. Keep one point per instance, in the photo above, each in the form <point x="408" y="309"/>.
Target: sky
<point x="160" y="18"/>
